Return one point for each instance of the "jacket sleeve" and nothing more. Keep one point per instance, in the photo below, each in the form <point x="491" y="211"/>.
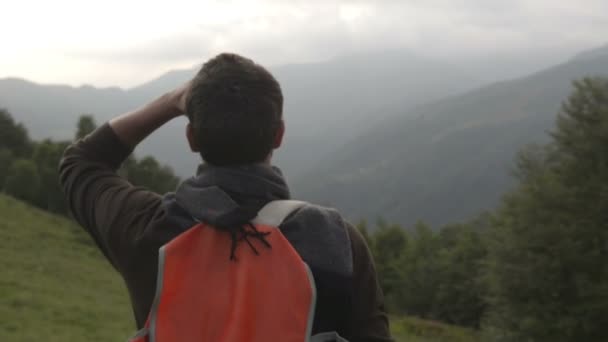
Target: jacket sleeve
<point x="369" y="321"/>
<point x="108" y="207"/>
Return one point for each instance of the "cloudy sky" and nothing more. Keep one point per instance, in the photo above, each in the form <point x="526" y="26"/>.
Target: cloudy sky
<point x="126" y="42"/>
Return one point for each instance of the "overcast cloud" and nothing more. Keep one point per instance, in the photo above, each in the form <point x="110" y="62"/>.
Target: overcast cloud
<point x="117" y="42"/>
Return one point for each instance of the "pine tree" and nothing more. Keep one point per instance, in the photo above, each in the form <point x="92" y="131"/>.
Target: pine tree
<point x="460" y="292"/>
<point x="390" y="245"/>
<point x="46" y="155"/>
<point x="13" y="136"/>
<point x="22" y="181"/>
<point x="6" y="159"/>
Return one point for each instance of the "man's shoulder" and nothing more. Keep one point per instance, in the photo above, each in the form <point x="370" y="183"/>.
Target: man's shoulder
<point x="321" y="236"/>
<point x="313" y="212"/>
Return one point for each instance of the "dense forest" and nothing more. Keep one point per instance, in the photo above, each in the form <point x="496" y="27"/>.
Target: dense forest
<point x="532" y="269"/>
<point x="29" y="168"/>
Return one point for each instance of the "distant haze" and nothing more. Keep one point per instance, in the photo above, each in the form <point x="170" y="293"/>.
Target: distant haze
<point x="402" y="109"/>
<point x="124" y="43"/>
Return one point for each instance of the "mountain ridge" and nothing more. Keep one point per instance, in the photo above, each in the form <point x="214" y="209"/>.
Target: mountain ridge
<point x="422" y="165"/>
<point x="325" y="103"/>
<point x="417" y="119"/>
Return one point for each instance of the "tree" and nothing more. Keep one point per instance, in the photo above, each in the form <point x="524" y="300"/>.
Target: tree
<point x="46" y="156"/>
<point x="86" y="124"/>
<point x="432" y="275"/>
<point x="460" y="297"/>
<point x="389" y="247"/>
<point x="547" y="270"/>
<point x="149" y="173"/>
<point x="13" y="136"/>
<point x="6" y="159"/>
<point x="420" y="272"/>
<point x="23" y="181"/>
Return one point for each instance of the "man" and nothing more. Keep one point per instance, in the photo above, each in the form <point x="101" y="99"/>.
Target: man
<point x="234" y="108"/>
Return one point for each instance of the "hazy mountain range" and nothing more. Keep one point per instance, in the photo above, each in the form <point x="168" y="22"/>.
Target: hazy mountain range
<point x="378" y="134"/>
<point x="446" y="160"/>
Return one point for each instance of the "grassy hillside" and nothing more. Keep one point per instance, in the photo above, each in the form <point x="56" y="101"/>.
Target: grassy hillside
<point x="55" y="285"/>
<point x="409" y="329"/>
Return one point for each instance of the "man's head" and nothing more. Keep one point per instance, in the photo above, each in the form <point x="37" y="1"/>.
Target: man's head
<point x="235" y="107"/>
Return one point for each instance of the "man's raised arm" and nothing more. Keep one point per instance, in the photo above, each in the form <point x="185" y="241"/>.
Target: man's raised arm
<point x="112" y="210"/>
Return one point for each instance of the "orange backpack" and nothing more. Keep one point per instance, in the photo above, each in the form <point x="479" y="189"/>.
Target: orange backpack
<point x="203" y="296"/>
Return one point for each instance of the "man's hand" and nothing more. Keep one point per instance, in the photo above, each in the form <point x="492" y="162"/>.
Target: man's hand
<point x="179" y="96"/>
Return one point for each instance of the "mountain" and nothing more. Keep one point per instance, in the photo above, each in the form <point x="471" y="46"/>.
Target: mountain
<point x="447" y="160"/>
<point x="52" y="110"/>
<point x="372" y="125"/>
<point x="326" y="103"/>
<point x="593" y="53"/>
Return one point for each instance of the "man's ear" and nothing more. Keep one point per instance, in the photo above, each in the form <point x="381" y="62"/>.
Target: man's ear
<point x="278" y="138"/>
<point x="191" y="139"/>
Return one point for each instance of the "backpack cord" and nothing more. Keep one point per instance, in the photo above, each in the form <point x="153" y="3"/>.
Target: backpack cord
<point x="241" y="233"/>
<point x="238" y="224"/>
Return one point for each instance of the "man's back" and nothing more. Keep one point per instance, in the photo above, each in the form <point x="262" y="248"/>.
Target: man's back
<point x="131" y="224"/>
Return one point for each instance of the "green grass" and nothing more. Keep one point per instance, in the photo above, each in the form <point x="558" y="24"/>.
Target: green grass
<point x="56" y="286"/>
<point x="410" y="329"/>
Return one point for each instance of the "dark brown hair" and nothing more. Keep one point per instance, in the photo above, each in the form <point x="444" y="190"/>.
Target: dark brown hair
<point x="235" y="107"/>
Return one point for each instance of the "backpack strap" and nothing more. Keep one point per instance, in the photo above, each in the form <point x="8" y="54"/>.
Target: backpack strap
<point x="275" y="212"/>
